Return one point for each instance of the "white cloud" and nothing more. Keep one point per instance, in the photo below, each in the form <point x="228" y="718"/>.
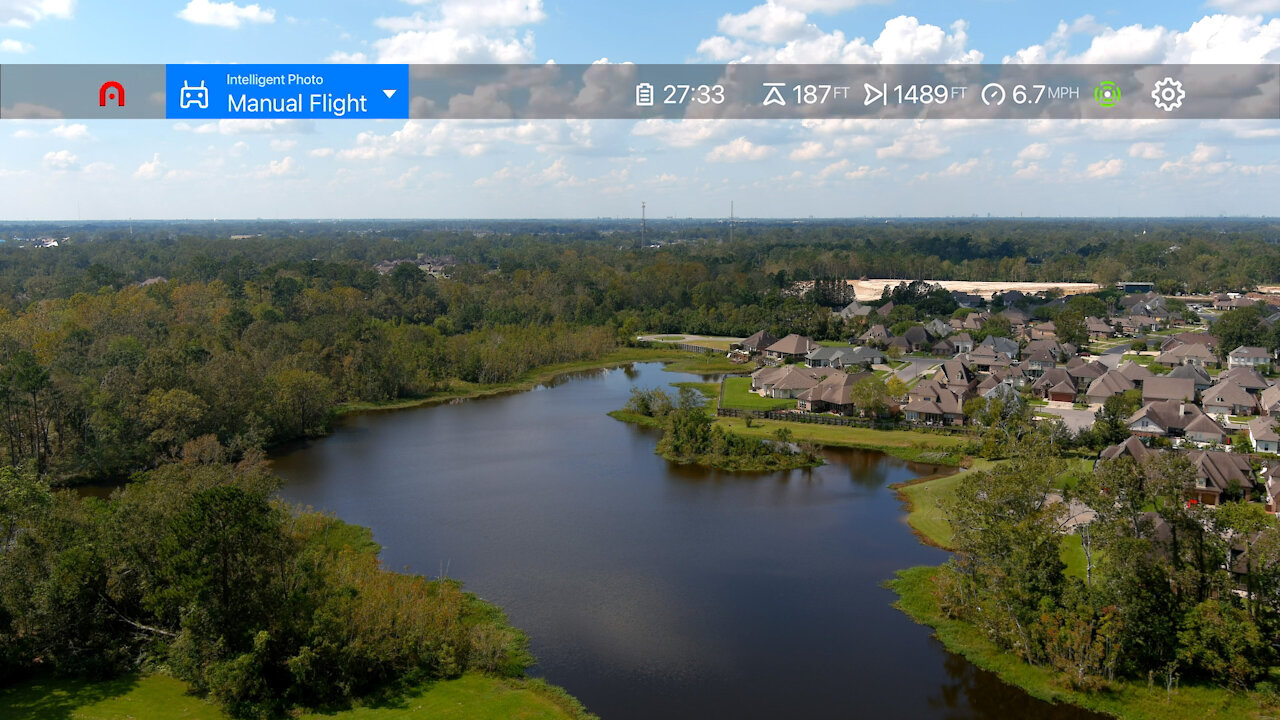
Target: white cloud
<point x="248" y="126"/>
<point x="1247" y="7"/>
<point x="679" y="133"/>
<point x="959" y="168"/>
<point x="24" y="13"/>
<point x="76" y="131"/>
<point x="150" y="170"/>
<point x="1147" y="150"/>
<point x="61" y="160"/>
<point x="347" y="57"/>
<point x="769" y="23"/>
<point x="321" y="152"/>
<point x="225" y="14"/>
<point x="450" y="45"/>
<point x="865" y="171"/>
<point x="1227" y="39"/>
<point x="1110" y="167"/>
<point x="15" y="46"/>
<point x="904" y="39"/>
<point x="457" y="31"/>
<point x="808" y="151"/>
<point x="1204" y="159"/>
<point x="739" y="150"/>
<point x="1034" y="151"/>
<point x="277" y="168"/>
<point x="283" y="145"/>
<point x="914" y="146"/>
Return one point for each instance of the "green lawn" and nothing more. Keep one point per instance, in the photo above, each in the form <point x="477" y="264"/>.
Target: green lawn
<point x="705" y="389"/>
<point x="738" y="395"/>
<point x="911" y="445"/>
<point x="471" y="697"/>
<point x="925" y="499"/>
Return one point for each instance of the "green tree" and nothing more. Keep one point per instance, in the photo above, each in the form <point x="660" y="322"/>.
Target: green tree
<point x="1224" y="643"/>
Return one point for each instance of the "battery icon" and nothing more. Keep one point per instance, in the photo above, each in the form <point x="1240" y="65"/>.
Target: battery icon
<point x="644" y="95"/>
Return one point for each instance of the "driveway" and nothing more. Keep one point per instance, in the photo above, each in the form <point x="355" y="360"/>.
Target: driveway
<point x="1076" y="420"/>
<point x="916" y="367"/>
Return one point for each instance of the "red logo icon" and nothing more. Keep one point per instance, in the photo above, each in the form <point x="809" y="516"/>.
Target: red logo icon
<point x="113" y="91"/>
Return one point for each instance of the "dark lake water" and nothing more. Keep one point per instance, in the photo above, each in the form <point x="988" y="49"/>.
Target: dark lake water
<point x="651" y="590"/>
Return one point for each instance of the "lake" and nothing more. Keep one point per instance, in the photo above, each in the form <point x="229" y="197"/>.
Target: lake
<point x="651" y="590"/>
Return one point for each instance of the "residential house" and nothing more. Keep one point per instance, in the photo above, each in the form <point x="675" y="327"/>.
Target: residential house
<point x="853" y="310"/>
<point x="785" y="382"/>
<point x="917" y="338"/>
<point x="884" y="310"/>
<point x="1204" y="430"/>
<point x="1228" y="398"/>
<point x="1040" y="360"/>
<point x="1263" y="435"/>
<point x="1164" y="388"/>
<point x="1247" y="378"/>
<point x="1270" y="481"/>
<point x="1220" y="472"/>
<point x="901" y="343"/>
<point x="1107" y="385"/>
<point x="1005" y="346"/>
<point x="1197" y="374"/>
<point x="966" y="300"/>
<point x="1188" y="354"/>
<point x="938" y="328"/>
<point x="1137" y="374"/>
<point x="758" y="342"/>
<point x="1085" y="371"/>
<point x="987" y="359"/>
<point x="1132" y="447"/>
<point x="1269" y="401"/>
<point x="876" y="334"/>
<point x="823" y="356"/>
<point x="1044" y="331"/>
<point x="833" y="394"/>
<point x="1056" y="385"/>
<point x="1017" y="318"/>
<point x="929" y="403"/>
<point x="1190" y="338"/>
<point x="957" y="376"/>
<point x="864" y="357"/>
<point x="1098" y="328"/>
<point x="791" y="347"/>
<point x="963" y="342"/>
<point x="943" y="348"/>
<point x="1163" y="418"/>
<point x="1248" y="356"/>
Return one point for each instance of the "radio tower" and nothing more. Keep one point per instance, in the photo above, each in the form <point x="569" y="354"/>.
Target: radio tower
<point x="642" y="227"/>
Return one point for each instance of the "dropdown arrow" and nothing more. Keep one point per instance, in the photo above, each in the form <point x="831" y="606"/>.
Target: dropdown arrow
<point x="389" y="93"/>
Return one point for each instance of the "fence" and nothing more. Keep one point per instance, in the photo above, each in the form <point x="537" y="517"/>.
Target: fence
<point x="818" y="419"/>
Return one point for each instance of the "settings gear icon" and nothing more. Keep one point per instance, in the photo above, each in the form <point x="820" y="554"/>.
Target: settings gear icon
<point x="1168" y="94"/>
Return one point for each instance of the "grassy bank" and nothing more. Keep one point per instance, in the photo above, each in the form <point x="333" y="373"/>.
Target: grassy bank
<point x="911" y="445"/>
<point x="1133" y="701"/>
<point x="738" y="395"/>
<point x="471" y="697"/>
<point x="677" y="361"/>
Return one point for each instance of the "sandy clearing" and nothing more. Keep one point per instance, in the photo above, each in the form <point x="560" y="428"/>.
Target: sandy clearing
<point x="872" y="289"/>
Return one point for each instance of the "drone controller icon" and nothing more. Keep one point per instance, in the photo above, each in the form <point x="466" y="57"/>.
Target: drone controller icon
<point x="197" y="95"/>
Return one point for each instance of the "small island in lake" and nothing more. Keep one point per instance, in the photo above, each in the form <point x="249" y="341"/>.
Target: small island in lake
<point x="691" y="437"/>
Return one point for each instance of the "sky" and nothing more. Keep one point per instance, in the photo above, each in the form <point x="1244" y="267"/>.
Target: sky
<point x="122" y="169"/>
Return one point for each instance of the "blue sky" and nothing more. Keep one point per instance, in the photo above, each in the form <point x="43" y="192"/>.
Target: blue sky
<point x="163" y="169"/>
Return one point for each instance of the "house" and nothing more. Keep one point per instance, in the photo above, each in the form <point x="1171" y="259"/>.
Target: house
<point x="1220" y="472"/>
<point x="1136" y="373"/>
<point x="1247" y="378"/>
<point x="1190" y="338"/>
<point x="966" y="300"/>
<point x="1248" y="356"/>
<point x="1163" y="388"/>
<point x="1044" y="331"/>
<point x="758" y="342"/>
<point x="1098" y="328"/>
<point x="1163" y="418"/>
<point x="1056" y="384"/>
<point x="1263" y="435"/>
<point x="1040" y="360"/>
<point x="823" y="356"/>
<point x="1085" y="371"/>
<point x="853" y="310"/>
<point x="1198" y="375"/>
<point x="1269" y="401"/>
<point x="884" y="310"/>
<point x="876" y="334"/>
<point x="1132" y="447"/>
<point x="833" y="394"/>
<point x="963" y="342"/>
<point x="791" y="347"/>
<point x="943" y="348"/>
<point x="1270" y="480"/>
<point x="1107" y="385"/>
<point x="864" y="356"/>
<point x="957" y="376"/>
<point x="929" y="403"/>
<point x="938" y="328"/>
<point x="901" y="343"/>
<point x="917" y="338"/>
<point x="1004" y="346"/>
<point x="784" y="382"/>
<point x="1204" y="430"/>
<point x="987" y="359"/>
<point x="1228" y="398"/>
<point x="1189" y="354"/>
<point x="1017" y="318"/>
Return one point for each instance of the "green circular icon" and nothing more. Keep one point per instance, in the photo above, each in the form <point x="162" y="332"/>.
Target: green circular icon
<point x="1107" y="93"/>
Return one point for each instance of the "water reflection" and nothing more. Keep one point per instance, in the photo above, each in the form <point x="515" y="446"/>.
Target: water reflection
<point x="652" y="590"/>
